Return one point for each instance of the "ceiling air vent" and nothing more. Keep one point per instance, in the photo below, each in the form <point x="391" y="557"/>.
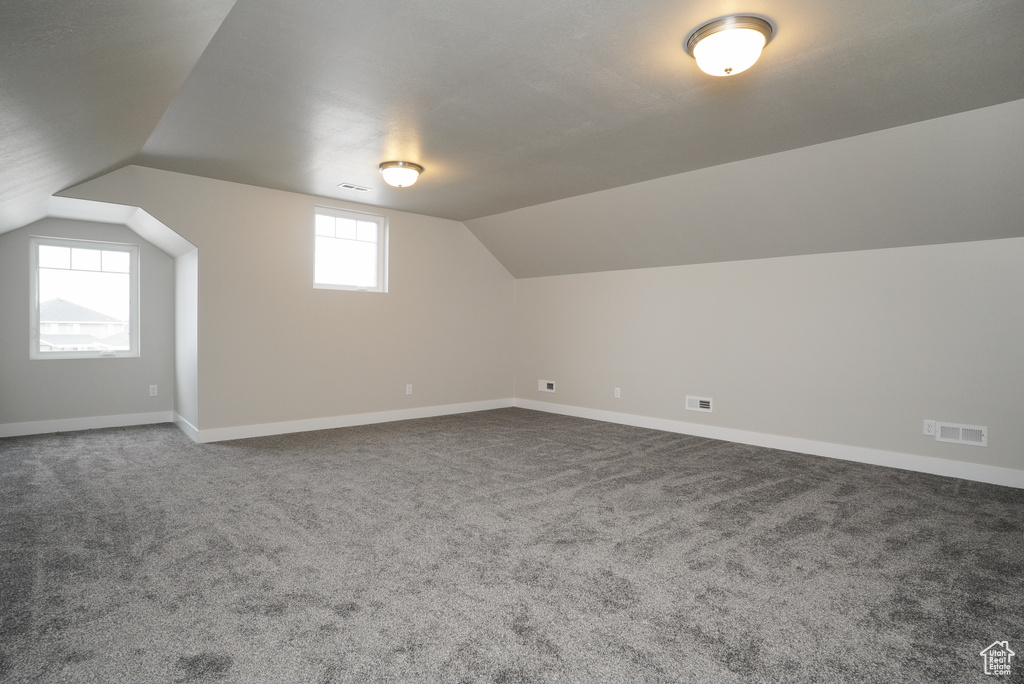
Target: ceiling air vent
<point x="976" y="435"/>
<point x="353" y="186"/>
<point x="698" y="404"/>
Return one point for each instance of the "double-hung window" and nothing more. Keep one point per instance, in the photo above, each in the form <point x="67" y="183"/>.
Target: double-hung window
<point x="350" y="251"/>
<point x="85" y="299"/>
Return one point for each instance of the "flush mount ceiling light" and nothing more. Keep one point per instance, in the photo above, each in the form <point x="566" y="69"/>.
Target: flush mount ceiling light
<point x="727" y="46"/>
<point x="400" y="174"/>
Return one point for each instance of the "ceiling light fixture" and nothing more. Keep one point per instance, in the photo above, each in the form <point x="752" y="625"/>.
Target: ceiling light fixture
<point x="727" y="46"/>
<point x="400" y="174"/>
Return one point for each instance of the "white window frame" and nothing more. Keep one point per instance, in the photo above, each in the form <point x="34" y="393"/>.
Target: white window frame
<point x="133" y="283"/>
<point x="382" y="247"/>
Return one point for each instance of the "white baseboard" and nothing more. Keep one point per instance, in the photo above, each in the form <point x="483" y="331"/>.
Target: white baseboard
<point x="923" y="464"/>
<point x="266" y="429"/>
<point x="188" y="428"/>
<point x="1008" y="477"/>
<point x="40" y="427"/>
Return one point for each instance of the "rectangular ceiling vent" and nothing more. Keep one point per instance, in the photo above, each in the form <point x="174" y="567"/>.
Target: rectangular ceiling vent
<point x="976" y="435"/>
<point x="353" y="186"/>
<point x="698" y="404"/>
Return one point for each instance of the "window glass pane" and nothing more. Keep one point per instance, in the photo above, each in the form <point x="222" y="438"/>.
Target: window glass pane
<point x="116" y="262"/>
<point x="346" y="262"/>
<point x="354" y="256"/>
<point x="83" y="310"/>
<point x="85" y="259"/>
<point x="366" y="231"/>
<point x="325" y="225"/>
<point x="86" y="299"/>
<point x="364" y="271"/>
<point x="54" y="257"/>
<point x="346" y="229"/>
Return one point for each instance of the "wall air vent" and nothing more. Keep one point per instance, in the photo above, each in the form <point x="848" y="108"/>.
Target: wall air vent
<point x="698" y="404"/>
<point x="976" y="435"/>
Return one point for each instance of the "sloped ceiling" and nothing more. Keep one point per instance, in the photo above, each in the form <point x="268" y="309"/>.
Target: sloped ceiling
<point x="82" y="86"/>
<point x="507" y="105"/>
<point x="952" y="179"/>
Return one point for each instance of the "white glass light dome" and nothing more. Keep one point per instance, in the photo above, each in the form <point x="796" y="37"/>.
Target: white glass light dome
<point x="400" y="174"/>
<point x="728" y="46"/>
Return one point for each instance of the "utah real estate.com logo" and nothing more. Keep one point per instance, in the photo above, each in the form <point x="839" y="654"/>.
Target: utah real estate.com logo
<point x="997" y="658"/>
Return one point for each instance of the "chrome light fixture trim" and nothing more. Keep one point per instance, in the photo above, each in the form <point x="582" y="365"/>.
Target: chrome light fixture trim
<point x="400" y="174"/>
<point x="738" y="22"/>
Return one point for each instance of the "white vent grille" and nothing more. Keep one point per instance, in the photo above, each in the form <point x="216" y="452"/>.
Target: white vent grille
<point x="976" y="435"/>
<point x="353" y="186"/>
<point x="546" y="385"/>
<point x="698" y="404"/>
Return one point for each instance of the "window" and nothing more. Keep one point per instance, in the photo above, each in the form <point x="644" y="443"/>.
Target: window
<point x="351" y="250"/>
<point x="85" y="299"/>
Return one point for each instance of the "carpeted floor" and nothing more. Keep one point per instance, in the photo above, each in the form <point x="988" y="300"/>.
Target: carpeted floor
<point x="501" y="546"/>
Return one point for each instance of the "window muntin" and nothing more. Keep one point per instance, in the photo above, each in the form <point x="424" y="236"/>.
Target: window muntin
<point x="350" y="251"/>
<point x="85" y="299"/>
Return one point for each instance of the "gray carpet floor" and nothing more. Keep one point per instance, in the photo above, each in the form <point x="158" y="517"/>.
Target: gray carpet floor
<point x="500" y="546"/>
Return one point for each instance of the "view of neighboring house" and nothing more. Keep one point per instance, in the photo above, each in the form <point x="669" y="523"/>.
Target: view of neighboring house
<point x="67" y="326"/>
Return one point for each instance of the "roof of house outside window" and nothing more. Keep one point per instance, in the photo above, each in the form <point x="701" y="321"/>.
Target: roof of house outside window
<point x="68" y="312"/>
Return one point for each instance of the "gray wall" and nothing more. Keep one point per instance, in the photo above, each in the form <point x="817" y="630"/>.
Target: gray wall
<point x="856" y="348"/>
<point x="273" y="349"/>
<point x="58" y="389"/>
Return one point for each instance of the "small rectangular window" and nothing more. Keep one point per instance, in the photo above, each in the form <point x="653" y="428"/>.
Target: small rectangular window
<point x="85" y="299"/>
<point x="350" y="251"/>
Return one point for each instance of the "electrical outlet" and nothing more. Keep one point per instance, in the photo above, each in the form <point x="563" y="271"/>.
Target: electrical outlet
<point x="152" y="390"/>
<point x="929" y="427"/>
<point x="618" y="393"/>
<point x="408" y="389"/>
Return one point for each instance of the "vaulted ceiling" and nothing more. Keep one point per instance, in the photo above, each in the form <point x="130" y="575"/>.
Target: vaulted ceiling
<point x="84" y="84"/>
<point x="507" y="105"/>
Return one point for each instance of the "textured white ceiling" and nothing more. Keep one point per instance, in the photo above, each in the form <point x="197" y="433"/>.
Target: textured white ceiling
<point x="82" y="86"/>
<point x="510" y="105"/>
<point x="507" y="105"/>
